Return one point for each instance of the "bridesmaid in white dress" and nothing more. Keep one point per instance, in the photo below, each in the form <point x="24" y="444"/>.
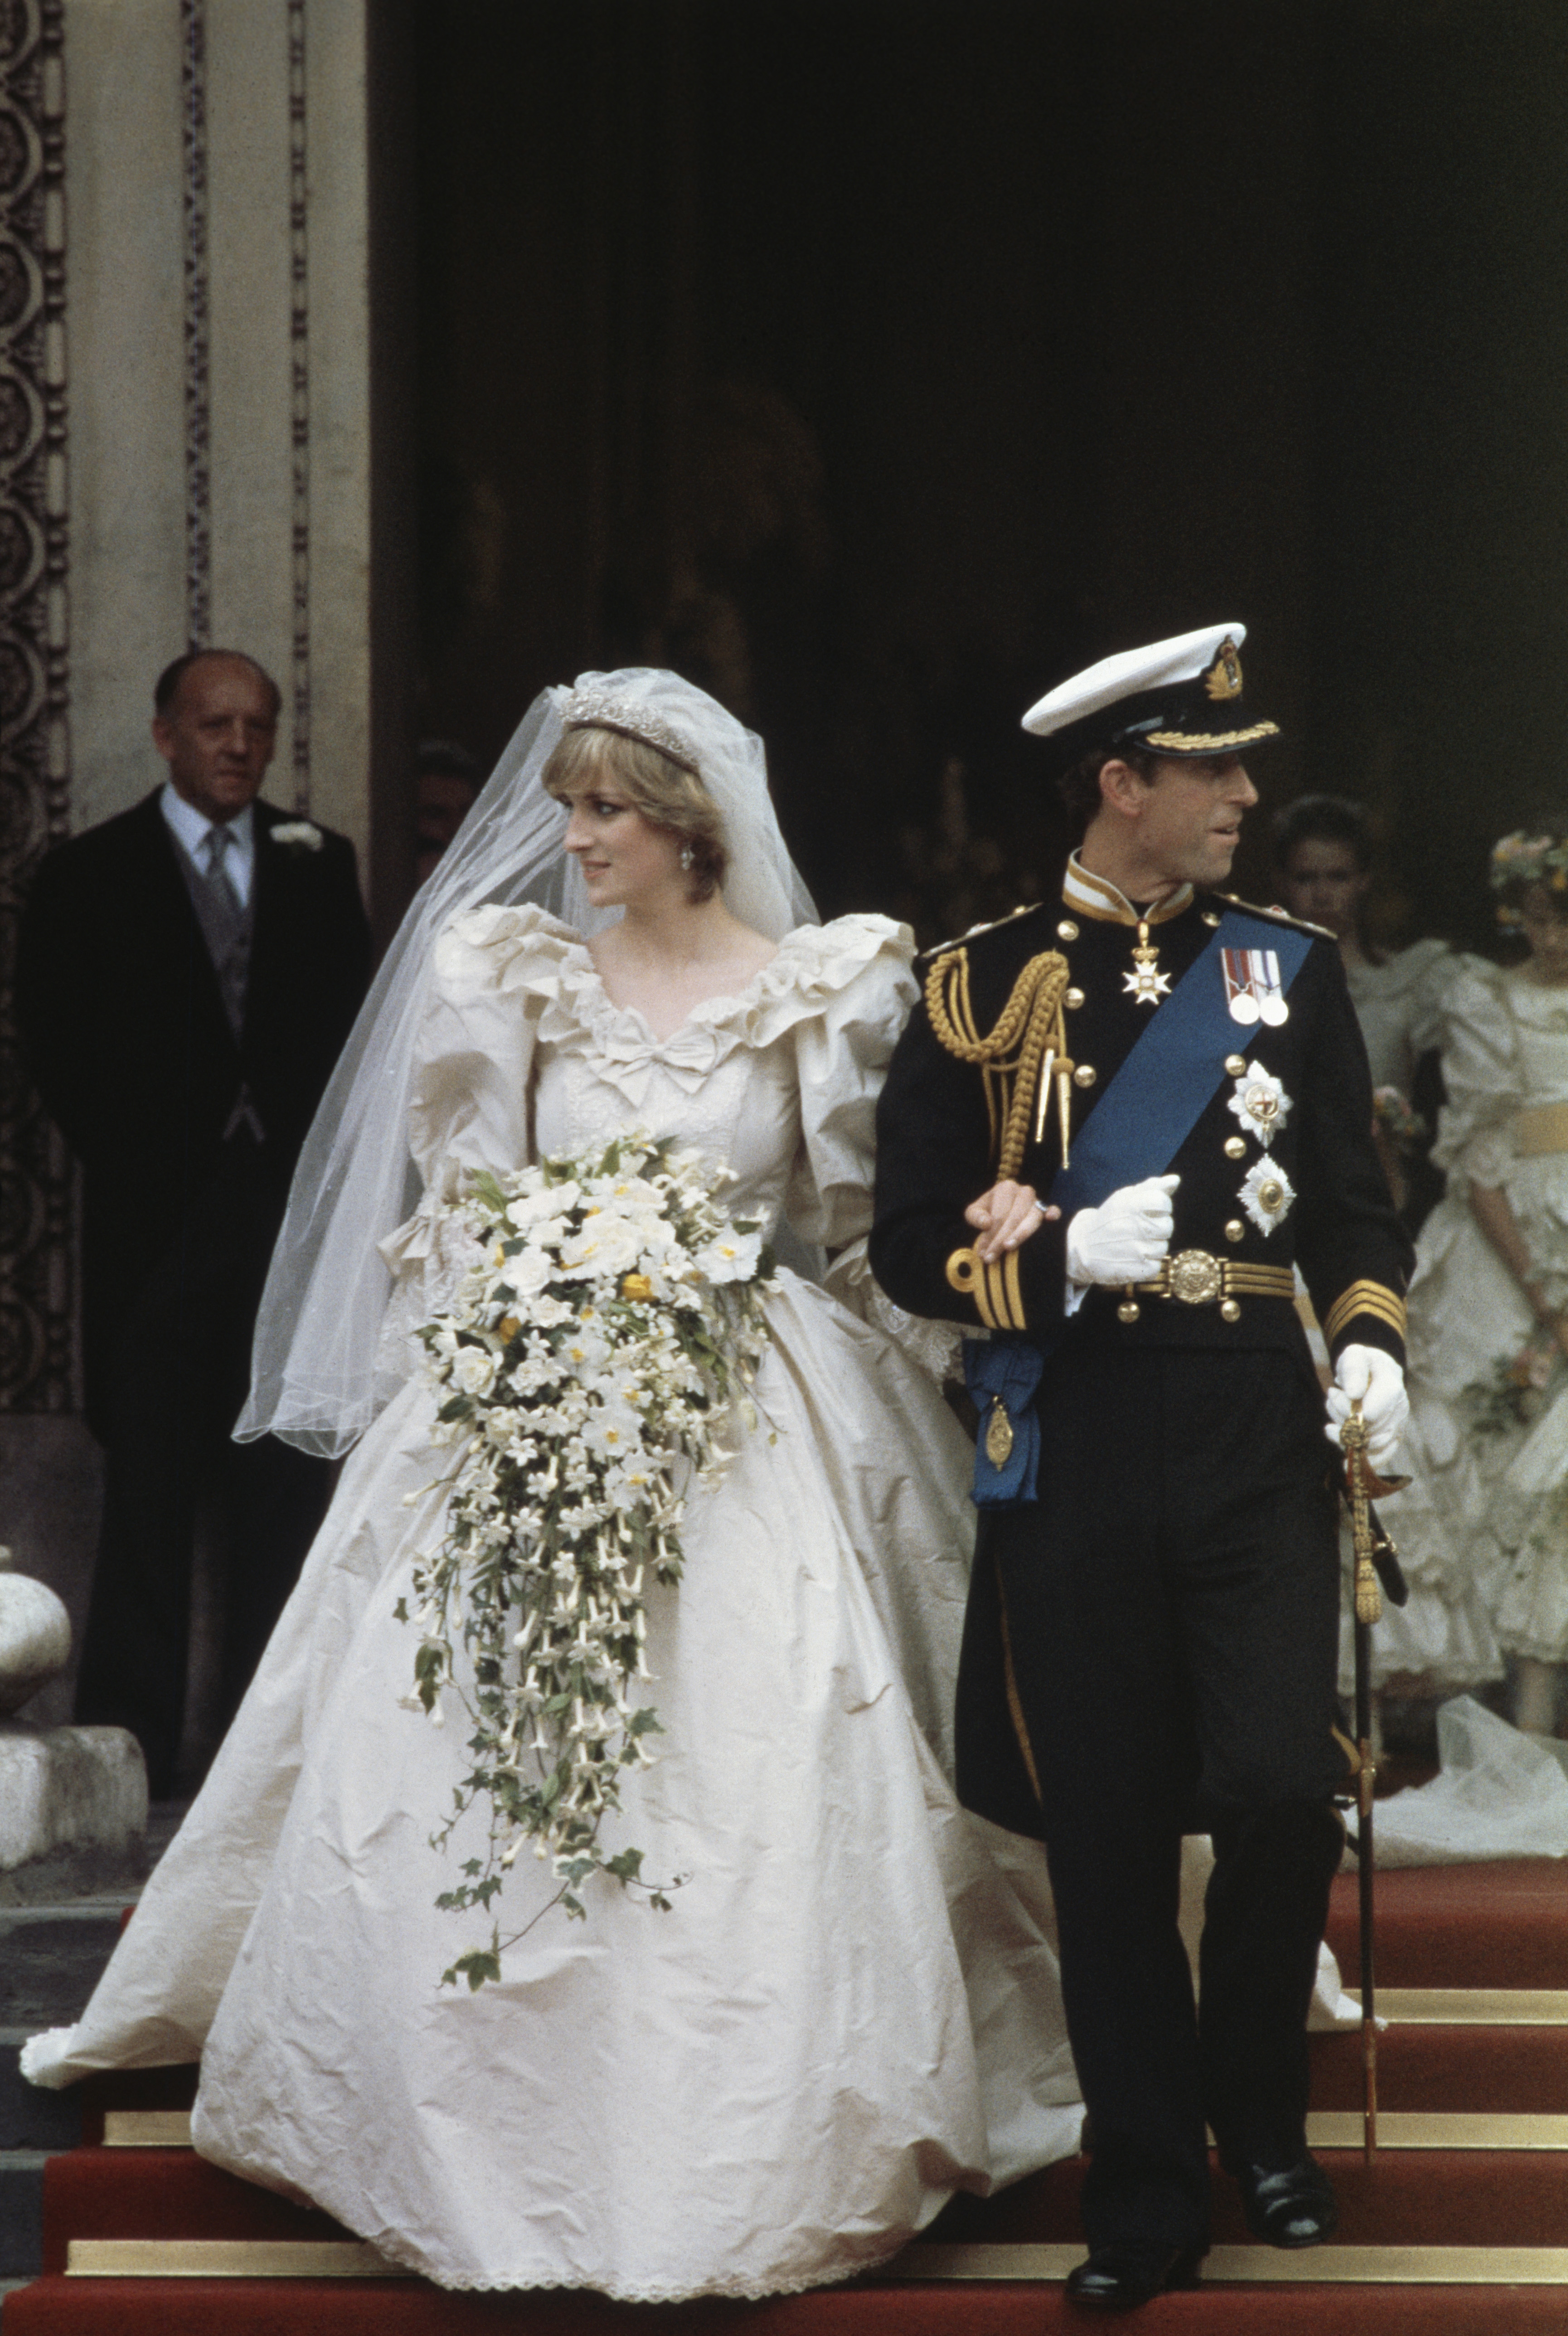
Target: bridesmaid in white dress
<point x="1486" y="1521"/>
<point x="851" y="2010"/>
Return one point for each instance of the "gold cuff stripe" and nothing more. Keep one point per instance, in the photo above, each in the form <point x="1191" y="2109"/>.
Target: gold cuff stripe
<point x="1193" y="742"/>
<point x="996" y="1288"/>
<point x="1371" y="1298"/>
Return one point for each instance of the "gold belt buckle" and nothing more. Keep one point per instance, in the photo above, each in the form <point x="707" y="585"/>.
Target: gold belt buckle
<point x="1195" y="1276"/>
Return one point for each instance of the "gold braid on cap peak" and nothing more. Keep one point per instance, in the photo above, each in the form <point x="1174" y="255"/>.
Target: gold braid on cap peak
<point x="1028" y="1040"/>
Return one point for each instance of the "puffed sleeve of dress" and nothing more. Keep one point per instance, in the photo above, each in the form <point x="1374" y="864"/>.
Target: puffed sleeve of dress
<point x="863" y="986"/>
<point x="469" y="1100"/>
<point x="1434" y="968"/>
<point x="1481" y="1075"/>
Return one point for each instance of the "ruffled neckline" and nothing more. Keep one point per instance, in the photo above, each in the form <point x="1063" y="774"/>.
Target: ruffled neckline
<point x="812" y="964"/>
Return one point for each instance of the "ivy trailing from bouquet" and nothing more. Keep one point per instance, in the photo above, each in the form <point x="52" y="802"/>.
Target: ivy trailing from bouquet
<point x="594" y="1353"/>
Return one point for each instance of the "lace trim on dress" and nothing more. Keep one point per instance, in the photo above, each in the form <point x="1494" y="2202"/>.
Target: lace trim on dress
<point x="388" y="2244"/>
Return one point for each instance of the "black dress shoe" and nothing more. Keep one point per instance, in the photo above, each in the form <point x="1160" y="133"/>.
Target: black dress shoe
<point x="1120" y="2278"/>
<point x="1293" y="2207"/>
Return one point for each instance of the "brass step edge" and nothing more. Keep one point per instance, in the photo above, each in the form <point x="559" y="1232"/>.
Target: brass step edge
<point x="1329" y="2266"/>
<point x="147" y="2128"/>
<point x="227" y="2259"/>
<point x="1440" y="2130"/>
<point x="1471" y="2007"/>
<point x="1326" y="2129"/>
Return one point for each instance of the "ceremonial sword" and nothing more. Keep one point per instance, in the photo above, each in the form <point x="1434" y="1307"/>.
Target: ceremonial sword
<point x="1377" y="1571"/>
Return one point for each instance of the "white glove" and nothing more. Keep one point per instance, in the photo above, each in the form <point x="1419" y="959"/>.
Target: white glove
<point x="1125" y="1237"/>
<point x="1377" y="1379"/>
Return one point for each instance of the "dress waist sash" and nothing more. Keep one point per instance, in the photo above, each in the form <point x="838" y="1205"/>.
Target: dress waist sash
<point x="1541" y="1131"/>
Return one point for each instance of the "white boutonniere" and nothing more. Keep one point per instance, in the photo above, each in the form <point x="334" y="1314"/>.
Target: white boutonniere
<point x="298" y="835"/>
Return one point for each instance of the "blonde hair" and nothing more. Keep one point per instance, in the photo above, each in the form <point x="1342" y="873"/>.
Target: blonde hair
<point x="667" y="796"/>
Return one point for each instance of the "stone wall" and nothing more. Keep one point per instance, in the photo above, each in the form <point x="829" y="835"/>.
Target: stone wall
<point x="184" y="458"/>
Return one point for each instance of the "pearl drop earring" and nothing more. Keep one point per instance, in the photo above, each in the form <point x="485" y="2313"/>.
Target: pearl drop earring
<point x="686" y="856"/>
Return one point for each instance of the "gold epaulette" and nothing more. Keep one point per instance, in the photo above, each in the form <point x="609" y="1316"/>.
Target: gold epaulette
<point x="1024" y="909"/>
<point x="1277" y="916"/>
<point x="1027" y="1043"/>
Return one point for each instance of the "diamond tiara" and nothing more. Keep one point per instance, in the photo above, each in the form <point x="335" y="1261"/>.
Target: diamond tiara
<point x="592" y="709"/>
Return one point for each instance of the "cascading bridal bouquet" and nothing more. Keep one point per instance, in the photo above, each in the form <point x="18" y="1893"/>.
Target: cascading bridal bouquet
<point x="613" y="1321"/>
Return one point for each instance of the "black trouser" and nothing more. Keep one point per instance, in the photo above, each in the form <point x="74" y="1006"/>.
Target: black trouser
<point x="181" y="1368"/>
<point x="1170" y="1606"/>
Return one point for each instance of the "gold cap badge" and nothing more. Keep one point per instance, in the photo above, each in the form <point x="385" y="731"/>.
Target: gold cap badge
<point x="1223" y="677"/>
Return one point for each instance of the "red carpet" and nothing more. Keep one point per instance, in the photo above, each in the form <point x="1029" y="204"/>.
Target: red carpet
<point x="1503" y="1925"/>
<point x="1495" y="1927"/>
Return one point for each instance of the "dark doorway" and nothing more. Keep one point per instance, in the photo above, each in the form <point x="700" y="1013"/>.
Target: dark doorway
<point x="877" y="361"/>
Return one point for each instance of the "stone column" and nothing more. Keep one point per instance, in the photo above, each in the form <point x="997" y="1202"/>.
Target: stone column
<point x="184" y="457"/>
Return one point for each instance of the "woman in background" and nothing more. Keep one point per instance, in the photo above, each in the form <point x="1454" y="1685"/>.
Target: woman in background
<point x="1487" y="1516"/>
<point x="1323" y="854"/>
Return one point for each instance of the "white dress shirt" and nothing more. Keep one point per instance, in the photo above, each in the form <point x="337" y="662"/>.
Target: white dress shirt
<point x="191" y="828"/>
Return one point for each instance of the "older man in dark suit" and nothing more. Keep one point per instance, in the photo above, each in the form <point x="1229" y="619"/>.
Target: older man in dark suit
<point x="188" y="974"/>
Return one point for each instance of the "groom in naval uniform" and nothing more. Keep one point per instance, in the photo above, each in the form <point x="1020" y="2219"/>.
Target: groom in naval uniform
<point x="1112" y="1126"/>
<point x="188" y="973"/>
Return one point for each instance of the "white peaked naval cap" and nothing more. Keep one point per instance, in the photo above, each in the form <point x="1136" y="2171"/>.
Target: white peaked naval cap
<point x="1180" y="697"/>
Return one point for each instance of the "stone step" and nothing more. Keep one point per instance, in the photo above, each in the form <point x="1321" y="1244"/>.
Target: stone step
<point x="29" y="2118"/>
<point x="22" y="2212"/>
<point x="51" y="1958"/>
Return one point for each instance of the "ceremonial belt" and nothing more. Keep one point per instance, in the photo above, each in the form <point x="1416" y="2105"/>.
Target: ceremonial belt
<point x="1542" y="1131"/>
<point x="1196" y="1279"/>
<point x="1163" y="1086"/>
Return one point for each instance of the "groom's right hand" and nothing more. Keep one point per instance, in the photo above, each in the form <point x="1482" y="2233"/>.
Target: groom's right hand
<point x="1005" y="1216"/>
<point x="1125" y="1238"/>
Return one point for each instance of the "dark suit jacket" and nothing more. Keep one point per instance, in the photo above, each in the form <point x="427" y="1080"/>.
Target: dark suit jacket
<point x="130" y="1048"/>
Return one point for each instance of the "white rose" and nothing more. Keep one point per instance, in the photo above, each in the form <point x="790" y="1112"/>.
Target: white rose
<point x="730" y="1257"/>
<point x="527" y="1273"/>
<point x="603" y="1245"/>
<point x="473" y="1370"/>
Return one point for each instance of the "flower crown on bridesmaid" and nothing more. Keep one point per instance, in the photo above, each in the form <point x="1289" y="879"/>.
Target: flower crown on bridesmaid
<point x="1520" y="861"/>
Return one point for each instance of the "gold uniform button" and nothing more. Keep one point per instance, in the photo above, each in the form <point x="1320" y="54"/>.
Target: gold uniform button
<point x="1236" y="1231"/>
<point x="1085" y="1076"/>
<point x="1073" y="997"/>
<point x="1066" y="930"/>
<point x="1235" y="1147"/>
<point x="1128" y="1310"/>
<point x="1234" y="1066"/>
<point x="1230" y="1310"/>
<point x="1210" y="918"/>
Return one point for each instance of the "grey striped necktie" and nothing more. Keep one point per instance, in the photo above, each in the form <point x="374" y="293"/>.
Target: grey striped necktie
<point x="216" y="846"/>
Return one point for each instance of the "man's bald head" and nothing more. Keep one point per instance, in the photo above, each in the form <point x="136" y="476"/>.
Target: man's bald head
<point x="216" y="727"/>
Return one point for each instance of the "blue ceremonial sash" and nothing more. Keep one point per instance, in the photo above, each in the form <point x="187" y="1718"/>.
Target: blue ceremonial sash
<point x="1167" y="1081"/>
<point x="1165" y="1085"/>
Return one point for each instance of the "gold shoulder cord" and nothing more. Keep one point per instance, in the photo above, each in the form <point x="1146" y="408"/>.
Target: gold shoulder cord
<point x="1019" y="1058"/>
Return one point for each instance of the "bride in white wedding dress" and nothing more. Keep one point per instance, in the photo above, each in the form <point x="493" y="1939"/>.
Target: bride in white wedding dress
<point x="851" y="2008"/>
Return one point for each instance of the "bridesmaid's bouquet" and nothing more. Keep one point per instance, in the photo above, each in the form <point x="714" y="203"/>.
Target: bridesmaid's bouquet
<point x="1518" y="1389"/>
<point x="612" y="1322"/>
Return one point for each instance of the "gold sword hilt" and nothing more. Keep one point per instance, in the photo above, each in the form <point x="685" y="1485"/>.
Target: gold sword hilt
<point x="1353" y="1442"/>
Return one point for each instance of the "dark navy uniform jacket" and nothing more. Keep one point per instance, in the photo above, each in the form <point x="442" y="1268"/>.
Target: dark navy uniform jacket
<point x="1331" y="1214"/>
